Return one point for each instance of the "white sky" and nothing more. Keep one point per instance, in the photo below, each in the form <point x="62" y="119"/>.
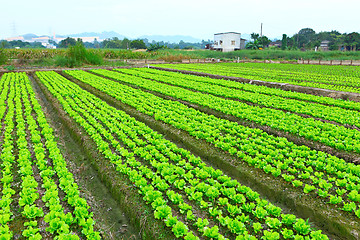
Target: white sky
<point x="200" y="19"/>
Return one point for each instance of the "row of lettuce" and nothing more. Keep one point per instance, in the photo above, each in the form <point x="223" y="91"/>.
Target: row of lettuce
<point x="335" y="136"/>
<point x="330" y="78"/>
<point x="194" y="200"/>
<point x="317" y="173"/>
<point x="34" y="171"/>
<point x="208" y="85"/>
<point x="251" y="88"/>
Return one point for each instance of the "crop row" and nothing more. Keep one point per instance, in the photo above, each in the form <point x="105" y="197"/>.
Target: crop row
<point x="335" y="136"/>
<point x="331" y="113"/>
<point x="336" y="70"/>
<point x="259" y="89"/>
<point x="313" y="171"/>
<point x="40" y="165"/>
<point x="333" y="82"/>
<point x="192" y="198"/>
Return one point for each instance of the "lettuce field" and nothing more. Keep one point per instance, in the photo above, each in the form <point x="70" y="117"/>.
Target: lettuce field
<point x="181" y="156"/>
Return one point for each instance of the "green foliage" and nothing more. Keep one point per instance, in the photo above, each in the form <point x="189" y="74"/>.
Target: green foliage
<point x="254" y="45"/>
<point x="67" y="42"/>
<point x="10" y="68"/>
<point x="284" y="42"/>
<point x="211" y="232"/>
<point x="138" y="44"/>
<point x="302" y="226"/>
<point x="287" y="233"/>
<point x="155" y="47"/>
<point x="77" y="55"/>
<point x="162" y="212"/>
<point x="268" y="235"/>
<point x="32" y="211"/>
<point x="179" y="229"/>
<point x="176" y="163"/>
<point x="201" y="224"/>
<point x="3" y="57"/>
<point x="257" y="227"/>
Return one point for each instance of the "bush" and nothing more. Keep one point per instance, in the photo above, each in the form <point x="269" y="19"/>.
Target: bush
<point x="78" y="55"/>
<point x="3" y="57"/>
<point x="94" y="58"/>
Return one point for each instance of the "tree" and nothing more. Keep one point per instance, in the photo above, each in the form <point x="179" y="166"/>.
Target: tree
<point x="138" y="44"/>
<point x="253" y="45"/>
<point x="284" y="42"/>
<point x="305" y="36"/>
<point x="254" y="36"/>
<point x="155" y="47"/>
<point x="112" y="43"/>
<point x="125" y="43"/>
<point x="264" y="41"/>
<point x="352" y="40"/>
<point x="67" y="42"/>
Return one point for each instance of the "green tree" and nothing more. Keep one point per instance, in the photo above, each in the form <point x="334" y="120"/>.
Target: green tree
<point x="304" y="37"/>
<point x="253" y="45"/>
<point x="352" y="40"/>
<point x="125" y="43"/>
<point x="284" y="42"/>
<point x="67" y="42"/>
<point x="138" y="44"/>
<point x="112" y="43"/>
<point x="254" y="36"/>
<point x="155" y="47"/>
<point x="264" y="41"/>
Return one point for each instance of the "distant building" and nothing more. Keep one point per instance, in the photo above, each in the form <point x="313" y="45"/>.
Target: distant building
<point x="277" y="43"/>
<point x="49" y="46"/>
<point x="324" y="45"/>
<point x="229" y="41"/>
<point x="44" y="39"/>
<point x="21" y="38"/>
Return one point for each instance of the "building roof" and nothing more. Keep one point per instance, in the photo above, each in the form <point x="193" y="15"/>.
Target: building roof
<point x="227" y="33"/>
<point x="15" y="38"/>
<point x="40" y="38"/>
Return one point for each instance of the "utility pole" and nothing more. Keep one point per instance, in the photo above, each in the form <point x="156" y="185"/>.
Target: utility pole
<point x="261" y="30"/>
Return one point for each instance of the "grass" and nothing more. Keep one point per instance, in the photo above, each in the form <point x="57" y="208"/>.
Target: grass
<point x="280" y="55"/>
<point x="115" y="57"/>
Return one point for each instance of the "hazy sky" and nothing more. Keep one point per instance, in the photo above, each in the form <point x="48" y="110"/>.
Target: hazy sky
<point x="200" y="19"/>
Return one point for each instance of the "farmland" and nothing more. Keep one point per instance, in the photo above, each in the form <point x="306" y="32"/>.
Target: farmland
<point x="183" y="156"/>
<point x="339" y="78"/>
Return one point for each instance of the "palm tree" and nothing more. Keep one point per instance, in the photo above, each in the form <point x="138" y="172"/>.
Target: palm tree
<point x="254" y="45"/>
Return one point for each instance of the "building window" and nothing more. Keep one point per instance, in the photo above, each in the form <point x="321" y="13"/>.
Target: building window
<point x="220" y="42"/>
<point x="233" y="42"/>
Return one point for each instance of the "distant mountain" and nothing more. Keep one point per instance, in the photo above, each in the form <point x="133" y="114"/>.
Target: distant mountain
<point x="102" y="36"/>
<point x="29" y="36"/>
<point x="171" y="39"/>
<point x="112" y="34"/>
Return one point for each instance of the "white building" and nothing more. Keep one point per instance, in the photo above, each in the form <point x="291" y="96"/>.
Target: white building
<point x="229" y="41"/>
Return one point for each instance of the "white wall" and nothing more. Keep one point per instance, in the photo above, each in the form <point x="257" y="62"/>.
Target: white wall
<point x="227" y="42"/>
